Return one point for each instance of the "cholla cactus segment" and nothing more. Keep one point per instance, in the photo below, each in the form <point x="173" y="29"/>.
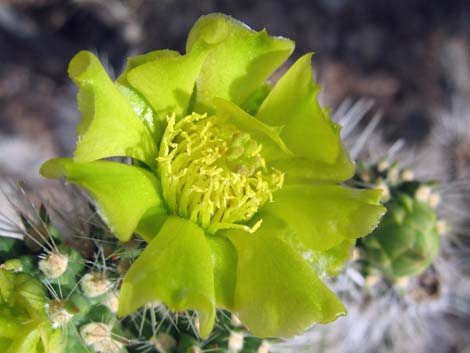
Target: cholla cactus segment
<point x="407" y="240"/>
<point x="232" y="183"/>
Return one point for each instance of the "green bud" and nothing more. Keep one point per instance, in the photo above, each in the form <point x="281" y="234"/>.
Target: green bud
<point x="407" y="240"/>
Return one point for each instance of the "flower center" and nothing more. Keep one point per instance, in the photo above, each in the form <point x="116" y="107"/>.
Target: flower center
<point x="214" y="174"/>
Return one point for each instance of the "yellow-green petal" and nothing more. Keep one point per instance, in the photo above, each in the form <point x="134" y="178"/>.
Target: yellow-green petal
<point x="55" y="342"/>
<point x="307" y="130"/>
<point x="240" y="59"/>
<point x="267" y="136"/>
<point x="322" y="216"/>
<point x="303" y="170"/>
<point x="6" y="285"/>
<point x="31" y="294"/>
<point x="167" y="82"/>
<point x="252" y="104"/>
<point x="174" y="269"/>
<point x="4" y="344"/>
<point x="123" y="193"/>
<point x="28" y="341"/>
<point x="331" y="262"/>
<point x="151" y="222"/>
<point x="154" y="123"/>
<point x="224" y="260"/>
<point x="138" y="60"/>
<point x="278" y="293"/>
<point x="109" y="127"/>
<point x="8" y="327"/>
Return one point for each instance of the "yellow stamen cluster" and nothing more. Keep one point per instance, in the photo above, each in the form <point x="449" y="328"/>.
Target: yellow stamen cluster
<point x="214" y="175"/>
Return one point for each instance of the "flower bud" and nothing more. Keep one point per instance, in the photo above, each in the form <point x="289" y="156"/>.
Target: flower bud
<point x="407" y="240"/>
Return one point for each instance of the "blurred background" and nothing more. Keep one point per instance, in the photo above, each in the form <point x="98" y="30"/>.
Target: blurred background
<point x="410" y="58"/>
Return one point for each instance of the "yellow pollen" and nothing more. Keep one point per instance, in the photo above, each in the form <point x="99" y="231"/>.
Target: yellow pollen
<point x="214" y="174"/>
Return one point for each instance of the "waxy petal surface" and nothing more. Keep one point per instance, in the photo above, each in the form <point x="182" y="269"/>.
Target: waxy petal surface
<point x="176" y="269"/>
<point x="239" y="61"/>
<point x="306" y="130"/>
<point x="123" y="193"/>
<point x="277" y="292"/>
<point x="109" y="127"/>
<point x="322" y="216"/>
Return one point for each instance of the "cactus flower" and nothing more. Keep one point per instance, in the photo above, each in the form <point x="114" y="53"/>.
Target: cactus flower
<point x="232" y="182"/>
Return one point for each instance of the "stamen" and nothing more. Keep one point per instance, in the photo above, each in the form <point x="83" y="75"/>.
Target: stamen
<point x="214" y="175"/>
